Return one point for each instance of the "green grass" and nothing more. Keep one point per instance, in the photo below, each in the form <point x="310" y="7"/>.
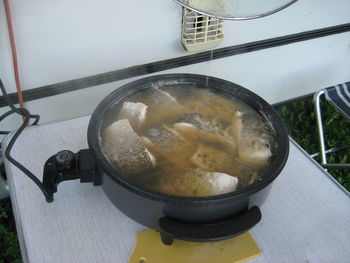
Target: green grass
<point x="9" y="247"/>
<point x="299" y="117"/>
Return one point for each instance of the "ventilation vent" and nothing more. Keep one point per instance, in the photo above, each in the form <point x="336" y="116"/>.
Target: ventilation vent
<point x="200" y="32"/>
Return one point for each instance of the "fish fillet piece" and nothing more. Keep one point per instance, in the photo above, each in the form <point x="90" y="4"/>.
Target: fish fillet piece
<point x="222" y="183"/>
<point x="212" y="159"/>
<point x="124" y="148"/>
<point x="158" y="97"/>
<point x="253" y="140"/>
<point x="197" y="183"/>
<point x="162" y="107"/>
<point x="254" y="151"/>
<point x="196" y="126"/>
<point x="210" y="105"/>
<point x="169" y="144"/>
<point x="201" y="122"/>
<point x="135" y="112"/>
<point x="235" y="129"/>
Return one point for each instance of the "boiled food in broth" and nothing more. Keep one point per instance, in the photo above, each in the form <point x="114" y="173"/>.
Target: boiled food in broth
<point x="187" y="141"/>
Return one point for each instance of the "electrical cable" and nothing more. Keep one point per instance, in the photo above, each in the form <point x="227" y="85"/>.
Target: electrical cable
<point x="13" y="107"/>
<point x="27" y="116"/>
<point x="5" y="115"/>
<point x="21" y="111"/>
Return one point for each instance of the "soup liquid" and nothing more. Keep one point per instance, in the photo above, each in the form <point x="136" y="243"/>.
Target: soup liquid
<point x="187" y="141"/>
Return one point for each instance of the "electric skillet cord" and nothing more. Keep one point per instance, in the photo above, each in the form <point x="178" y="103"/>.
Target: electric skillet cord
<point x="13" y="107"/>
<point x="27" y="116"/>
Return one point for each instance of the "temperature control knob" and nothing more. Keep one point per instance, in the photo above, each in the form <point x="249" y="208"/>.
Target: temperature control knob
<point x="66" y="166"/>
<point x="65" y="160"/>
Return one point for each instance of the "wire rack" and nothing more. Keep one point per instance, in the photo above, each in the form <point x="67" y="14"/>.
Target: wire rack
<point x="236" y="9"/>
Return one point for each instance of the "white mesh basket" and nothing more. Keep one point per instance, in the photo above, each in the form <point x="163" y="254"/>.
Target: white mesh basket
<point x="200" y="32"/>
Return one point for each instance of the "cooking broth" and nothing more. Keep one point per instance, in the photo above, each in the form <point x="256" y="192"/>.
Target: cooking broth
<point x="187" y="141"/>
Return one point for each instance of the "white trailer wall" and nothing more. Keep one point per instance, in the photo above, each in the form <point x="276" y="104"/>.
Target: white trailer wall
<point x="63" y="40"/>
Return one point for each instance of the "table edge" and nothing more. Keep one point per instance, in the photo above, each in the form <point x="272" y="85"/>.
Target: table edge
<point x="342" y="188"/>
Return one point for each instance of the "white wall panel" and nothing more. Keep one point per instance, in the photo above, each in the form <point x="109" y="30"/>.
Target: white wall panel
<point x="63" y="40"/>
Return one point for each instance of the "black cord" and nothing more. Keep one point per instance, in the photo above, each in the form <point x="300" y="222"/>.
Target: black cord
<point x="27" y="116"/>
<point x="13" y="107"/>
<point x="5" y="115"/>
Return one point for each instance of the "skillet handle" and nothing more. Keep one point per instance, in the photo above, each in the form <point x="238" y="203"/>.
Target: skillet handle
<point x="171" y="229"/>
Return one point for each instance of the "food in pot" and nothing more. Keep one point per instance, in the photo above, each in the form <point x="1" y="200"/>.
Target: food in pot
<point x="195" y="126"/>
<point x="135" y="113"/>
<point x="125" y="149"/>
<point x="212" y="159"/>
<point x="162" y="107"/>
<point x="254" y="151"/>
<point x="254" y="144"/>
<point x="157" y="97"/>
<point x="189" y="141"/>
<point x="235" y="129"/>
<point x="168" y="144"/>
<point x="210" y="105"/>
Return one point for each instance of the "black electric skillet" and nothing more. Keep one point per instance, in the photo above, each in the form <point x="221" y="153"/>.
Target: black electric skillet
<point x="175" y="217"/>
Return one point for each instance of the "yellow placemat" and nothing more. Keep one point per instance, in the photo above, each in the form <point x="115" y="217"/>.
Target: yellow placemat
<point x="150" y="249"/>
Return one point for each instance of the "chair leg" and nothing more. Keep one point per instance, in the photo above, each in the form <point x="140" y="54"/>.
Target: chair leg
<point x="320" y="126"/>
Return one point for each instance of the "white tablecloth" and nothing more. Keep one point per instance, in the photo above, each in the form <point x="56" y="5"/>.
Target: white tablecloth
<point x="306" y="217"/>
